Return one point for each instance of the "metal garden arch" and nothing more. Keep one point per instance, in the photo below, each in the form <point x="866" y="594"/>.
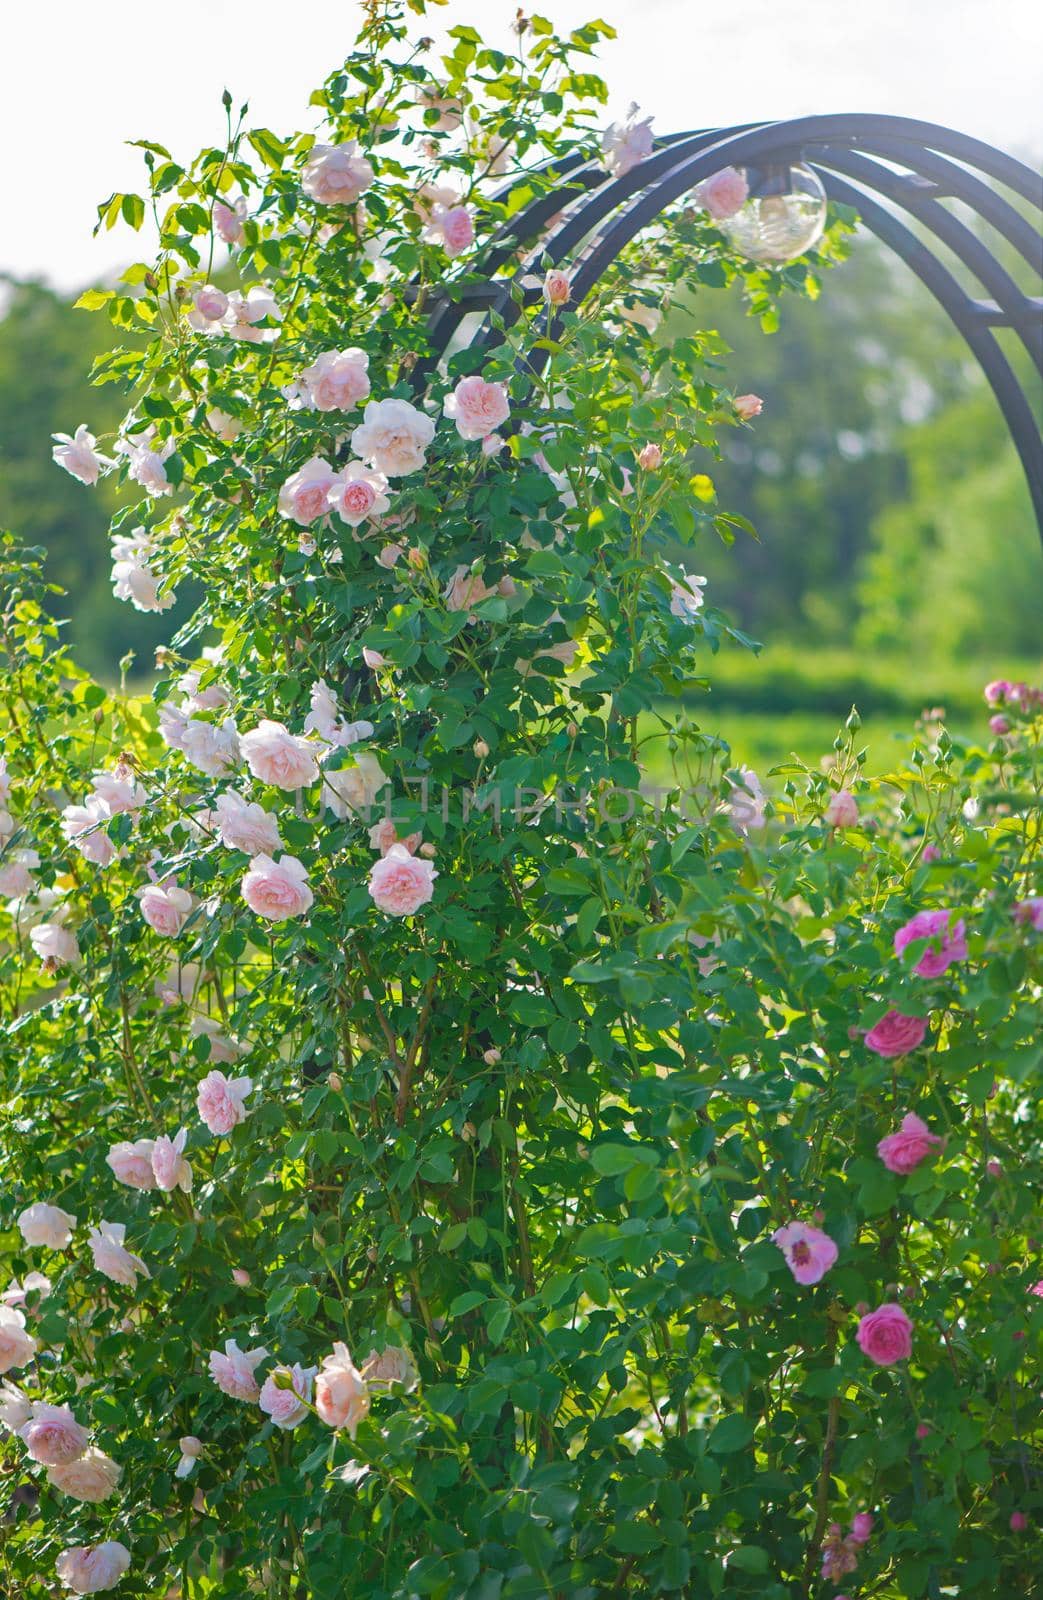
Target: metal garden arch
<point x="860" y="160"/>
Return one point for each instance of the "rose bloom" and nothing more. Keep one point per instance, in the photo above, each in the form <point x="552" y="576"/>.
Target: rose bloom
<point x="55" y="945"/>
<point x="15" y="1408"/>
<point x="110" y="1257"/>
<point x="277" y="890"/>
<point x="886" y="1335"/>
<point x="842" y="810"/>
<point x="17" y="1293"/>
<point x="686" y="596"/>
<point x="1029" y="913"/>
<point x="210" y="749"/>
<point x="393" y="1365"/>
<point x="392" y="437"/>
<point x="650" y="458"/>
<point x="724" y="194"/>
<point x="91" y="1479"/>
<point x="358" y="494"/>
<point x="896" y="1034"/>
<point x="220" y="1102"/>
<point x="223" y="1047"/>
<point x="228" y="219"/>
<point x="452" y="227"/>
<point x="746" y="803"/>
<point x="17" y="1347"/>
<point x="478" y="408"/>
<point x="341" y="1395"/>
<point x="997" y="692"/>
<point x="15" y="878"/>
<point x="390" y="555"/>
<point x="52" y="1436"/>
<point x="466" y="590"/>
<point x="903" y="1151"/>
<point x="245" y="825"/>
<point x="624" y="144"/>
<point x="808" y="1251"/>
<point x="400" y="883"/>
<point x="191" y="1449"/>
<point x="171" y="1169"/>
<point x="278" y="757"/>
<point x="119" y="790"/>
<point x="353" y="788"/>
<point x="132" y="1163"/>
<point x="557" y="287"/>
<point x="222" y="423"/>
<point x="132" y="576"/>
<point x="861" y="1527"/>
<point x="88" y="1569"/>
<point x="146" y="458"/>
<point x="165" y="908"/>
<point x="336" y="380"/>
<point x="448" y="108"/>
<point x="948" y="944"/>
<point x="208" y="307"/>
<point x="384" y="834"/>
<point x="748" y="406"/>
<point x="78" y="455"/>
<point x="43" y="1224"/>
<point x="304" y="497"/>
<point x="233" y="1372"/>
<point x="287" y="1407"/>
<point x="246" y="311"/>
<point x="335" y="175"/>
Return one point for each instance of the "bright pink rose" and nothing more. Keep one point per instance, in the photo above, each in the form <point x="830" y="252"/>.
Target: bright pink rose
<point x="165" y="908"/>
<point x="999" y="725"/>
<point x="88" y="1569"/>
<point x="724" y="194"/>
<point x="341" y="1395"/>
<point x="808" y="1251"/>
<point x="452" y="227"/>
<point x="650" y="458"/>
<point x="931" y="853"/>
<point x="221" y="1102"/>
<point x="556" y="288"/>
<point x="998" y="692"/>
<point x="304" y="497"/>
<point x="948" y="944"/>
<point x="896" y="1034"/>
<point x="335" y="175"/>
<point x="279" y="757"/>
<point x="862" y="1527"/>
<point x="842" y="810"/>
<point x="277" y="890"/>
<point x="1029" y="913"/>
<point x="1018" y="1522"/>
<point x="287" y="1406"/>
<point x="53" y="1436"/>
<point x="233" y="1372"/>
<point x="923" y="1430"/>
<point x="886" y="1335"/>
<point x="477" y="407"/>
<point x="336" y="380"/>
<point x="171" y="1169"/>
<point x="903" y="1151"/>
<point x="400" y="883"/>
<point x="748" y="406"/>
<point x="132" y="1163"/>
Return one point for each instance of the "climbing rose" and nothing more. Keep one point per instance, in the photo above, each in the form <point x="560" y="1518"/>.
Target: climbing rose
<point x="400" y="883"/>
<point x="165" y="908"/>
<point x="228" y="220"/>
<point x="304" y="497"/>
<point x="110" y="1257"/>
<point x="233" y="1372"/>
<point x="118" y="790"/>
<point x="171" y="1169"/>
<point x="353" y="788"/>
<point x="903" y="1151"/>
<point x="132" y="1163"/>
<point x="87" y="1569"/>
<point x="220" y="1101"/>
<point x="886" y="1335"/>
<point x="896" y="1034"/>
<point x="478" y="408"/>
<point x="335" y="175"/>
<point x="556" y="287"/>
<point x="278" y="757"/>
<point x="246" y="311"/>
<point x="209" y="305"/>
<point x="15" y="1409"/>
<point x="748" y="406"/>
<point x="277" y="890"/>
<point x="808" y="1251"/>
<point x="842" y="810"/>
<point x="55" y="945"/>
<point x="17" y="1347"/>
<point x="1029" y="913"/>
<point x="43" y="1224"/>
<point x="91" y="1479"/>
<point x="78" y="455"/>
<point x="287" y="1407"/>
<point x="15" y="878"/>
<point x="624" y="144"/>
<point x="244" y="825"/>
<point x="393" y="1365"/>
<point x="341" y="1395"/>
<point x="132" y="576"/>
<point x="452" y="227"/>
<point x="392" y="437"/>
<point x="53" y="1436"/>
<point x="724" y="194"/>
<point x="358" y="494"/>
<point x="935" y="926"/>
<point x="336" y="380"/>
<point x="146" y="458"/>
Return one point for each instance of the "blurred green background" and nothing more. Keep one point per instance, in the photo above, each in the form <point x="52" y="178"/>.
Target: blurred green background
<point x="898" y="565"/>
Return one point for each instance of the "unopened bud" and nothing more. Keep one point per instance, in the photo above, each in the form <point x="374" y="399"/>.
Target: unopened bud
<point x="99" y="717"/>
<point x="240" y="1277"/>
<point x="481" y="749"/>
<point x="335" y="1082"/>
<point x="416" y="557"/>
<point x="650" y="459"/>
<point x="572" y="730"/>
<point x="491" y="1057"/>
<point x="428" y="850"/>
<point x="468" y="1131"/>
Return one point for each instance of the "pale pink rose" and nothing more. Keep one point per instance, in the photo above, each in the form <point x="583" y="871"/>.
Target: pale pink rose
<point x="209" y="748"/>
<point x="209" y="305"/>
<point x="91" y="1479"/>
<point x="478" y="408"/>
<point x="287" y="1406"/>
<point x="52" y="1436"/>
<point x="226" y="426"/>
<point x="132" y="1163"/>
<point x="241" y="1278"/>
<point x="861" y="1527"/>
<point x="903" y="1151"/>
<point x="557" y="287"/>
<point x="886" y="1335"/>
<point x="452" y="227"/>
<point x="466" y="590"/>
<point x="15" y="1407"/>
<point x="492" y="444"/>
<point x="808" y="1251"/>
<point x="17" y="1347"/>
<point x="392" y="437"/>
<point x="277" y="890"/>
<point x="179" y="983"/>
<point x="341" y="1395"/>
<point x="220" y="1102"/>
<point x="650" y="458"/>
<point x="400" y="883"/>
<point x="119" y="790"/>
<point x="842" y="810"/>
<point x="725" y="193"/>
<point x="16" y="1294"/>
<point x="390" y="555"/>
<point x="353" y="788"/>
<point x="384" y="834"/>
<point x="443" y="112"/>
<point x="432" y="196"/>
<point x="896" y="1034"/>
<point x="55" y="945"/>
<point x="245" y="312"/>
<point x="748" y="406"/>
<point x="132" y="576"/>
<point x="625" y="144"/>
<point x="111" y="1258"/>
<point x="84" y="826"/>
<point x="948" y="942"/>
<point x="78" y="456"/>
<point x="245" y="825"/>
<point x="280" y="758"/>
<point x="165" y="908"/>
<point x="393" y="1365"/>
<point x="336" y="380"/>
<point x="228" y="219"/>
<point x="373" y="659"/>
<point x="335" y="174"/>
<point x="146" y="461"/>
<point x="359" y="493"/>
<point x="686" y="596"/>
<point x="746" y="803"/>
<point x="191" y="1449"/>
<point x="88" y="1569"/>
<point x="16" y="879"/>
<point x="1029" y="913"/>
<point x="305" y="496"/>
<point x="233" y="1372"/>
<point x="213" y="698"/>
<point x="47" y="1225"/>
<point x="171" y="1169"/>
<point x="223" y="1047"/>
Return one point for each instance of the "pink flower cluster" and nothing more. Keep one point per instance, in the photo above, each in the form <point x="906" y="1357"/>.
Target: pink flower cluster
<point x="840" y="1553"/>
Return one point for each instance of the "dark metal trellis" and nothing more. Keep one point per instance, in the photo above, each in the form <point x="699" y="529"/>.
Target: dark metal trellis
<point x="881" y="166"/>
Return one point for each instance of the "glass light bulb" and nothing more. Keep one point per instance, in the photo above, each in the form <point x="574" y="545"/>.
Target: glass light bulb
<point x="784" y="214"/>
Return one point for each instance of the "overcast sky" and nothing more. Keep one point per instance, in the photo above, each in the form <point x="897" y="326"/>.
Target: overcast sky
<point x="78" y="79"/>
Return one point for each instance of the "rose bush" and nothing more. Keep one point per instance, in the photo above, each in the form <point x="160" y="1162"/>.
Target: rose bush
<point x="436" y="1162"/>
